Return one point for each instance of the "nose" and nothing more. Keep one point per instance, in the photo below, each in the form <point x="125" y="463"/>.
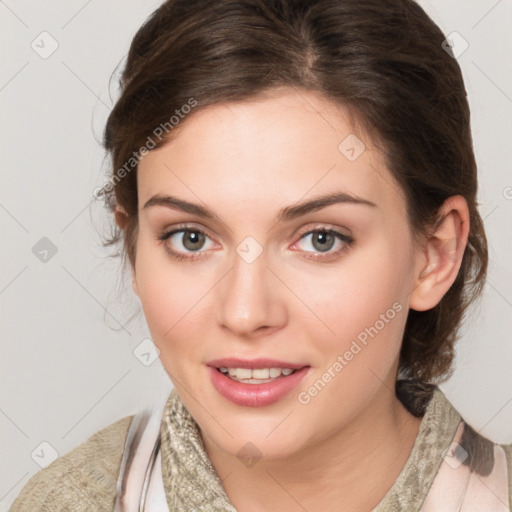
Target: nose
<point x="249" y="299"/>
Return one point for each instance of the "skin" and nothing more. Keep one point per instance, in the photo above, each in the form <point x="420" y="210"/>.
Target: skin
<point x="245" y="161"/>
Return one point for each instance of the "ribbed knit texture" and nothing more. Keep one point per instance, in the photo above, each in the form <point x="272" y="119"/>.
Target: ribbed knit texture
<point x="85" y="478"/>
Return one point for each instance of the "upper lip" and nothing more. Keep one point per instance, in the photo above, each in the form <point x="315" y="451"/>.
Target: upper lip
<point x="233" y="362"/>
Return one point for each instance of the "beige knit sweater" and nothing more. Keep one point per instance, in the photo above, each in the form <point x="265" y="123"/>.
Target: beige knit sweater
<point x="85" y="478"/>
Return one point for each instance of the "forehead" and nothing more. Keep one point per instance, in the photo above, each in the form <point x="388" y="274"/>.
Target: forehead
<point x="273" y="149"/>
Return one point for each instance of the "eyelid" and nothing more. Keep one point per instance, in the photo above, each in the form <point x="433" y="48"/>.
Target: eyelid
<point x="321" y="227"/>
<point x="346" y="239"/>
<point x="166" y="232"/>
<point x="192" y="227"/>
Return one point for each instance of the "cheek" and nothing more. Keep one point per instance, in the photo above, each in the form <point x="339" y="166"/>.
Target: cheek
<point x="367" y="314"/>
<point x="366" y="285"/>
<point x="344" y="303"/>
<point x="365" y="301"/>
<point x="172" y="298"/>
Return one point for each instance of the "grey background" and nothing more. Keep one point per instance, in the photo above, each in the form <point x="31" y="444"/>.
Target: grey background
<point x="67" y="365"/>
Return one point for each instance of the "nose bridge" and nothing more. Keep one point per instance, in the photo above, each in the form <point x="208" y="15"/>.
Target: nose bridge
<point x="248" y="298"/>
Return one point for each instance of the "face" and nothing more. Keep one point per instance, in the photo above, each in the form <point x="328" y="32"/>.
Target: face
<point x="323" y="290"/>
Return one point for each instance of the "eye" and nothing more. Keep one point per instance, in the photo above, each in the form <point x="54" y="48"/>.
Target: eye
<point x="326" y="242"/>
<point x="186" y="243"/>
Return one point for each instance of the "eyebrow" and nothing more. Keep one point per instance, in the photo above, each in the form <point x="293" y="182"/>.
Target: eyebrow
<point x="286" y="214"/>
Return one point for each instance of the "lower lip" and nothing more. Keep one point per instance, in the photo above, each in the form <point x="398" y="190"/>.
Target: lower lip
<point x="255" y="395"/>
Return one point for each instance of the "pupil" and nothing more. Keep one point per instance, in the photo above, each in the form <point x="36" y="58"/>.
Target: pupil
<point x="195" y="240"/>
<point x="324" y="238"/>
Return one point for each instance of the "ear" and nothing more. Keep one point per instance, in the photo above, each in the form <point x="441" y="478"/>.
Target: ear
<point x="134" y="284"/>
<point x="122" y="219"/>
<point x="440" y="257"/>
<point x="121" y="216"/>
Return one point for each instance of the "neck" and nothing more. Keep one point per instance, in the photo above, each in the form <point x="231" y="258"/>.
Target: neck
<point x="353" y="468"/>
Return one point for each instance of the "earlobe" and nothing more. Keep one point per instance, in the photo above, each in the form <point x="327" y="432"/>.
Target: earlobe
<point x="134" y="284"/>
<point x="441" y="255"/>
<point x="121" y="216"/>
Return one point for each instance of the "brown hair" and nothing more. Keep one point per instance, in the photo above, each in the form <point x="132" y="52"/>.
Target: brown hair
<point x="382" y="60"/>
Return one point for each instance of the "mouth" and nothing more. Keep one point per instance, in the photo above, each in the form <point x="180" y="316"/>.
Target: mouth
<point x="255" y="383"/>
<point x="256" y="371"/>
<point x="255" y="376"/>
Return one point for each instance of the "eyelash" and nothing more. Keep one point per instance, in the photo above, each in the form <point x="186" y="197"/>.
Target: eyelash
<point x="347" y="242"/>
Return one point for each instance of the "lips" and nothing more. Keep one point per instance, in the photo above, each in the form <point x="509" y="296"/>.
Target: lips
<point x="254" y="394"/>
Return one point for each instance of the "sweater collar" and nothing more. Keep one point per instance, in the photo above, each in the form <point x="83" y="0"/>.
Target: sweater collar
<point x="437" y="429"/>
<point x="191" y="482"/>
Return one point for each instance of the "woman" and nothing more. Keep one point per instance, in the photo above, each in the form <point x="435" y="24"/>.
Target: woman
<point x="294" y="187"/>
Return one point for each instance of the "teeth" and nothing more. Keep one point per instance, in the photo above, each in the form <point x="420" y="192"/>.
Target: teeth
<point x="260" y="373"/>
<point x="263" y="374"/>
<point x="242" y="373"/>
<point x="275" y="372"/>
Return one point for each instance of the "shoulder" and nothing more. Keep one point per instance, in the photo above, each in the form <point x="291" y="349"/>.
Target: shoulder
<point x="81" y="480"/>
<point x="482" y="465"/>
<point x="507" y="448"/>
<point x="453" y="462"/>
<point x="486" y="463"/>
